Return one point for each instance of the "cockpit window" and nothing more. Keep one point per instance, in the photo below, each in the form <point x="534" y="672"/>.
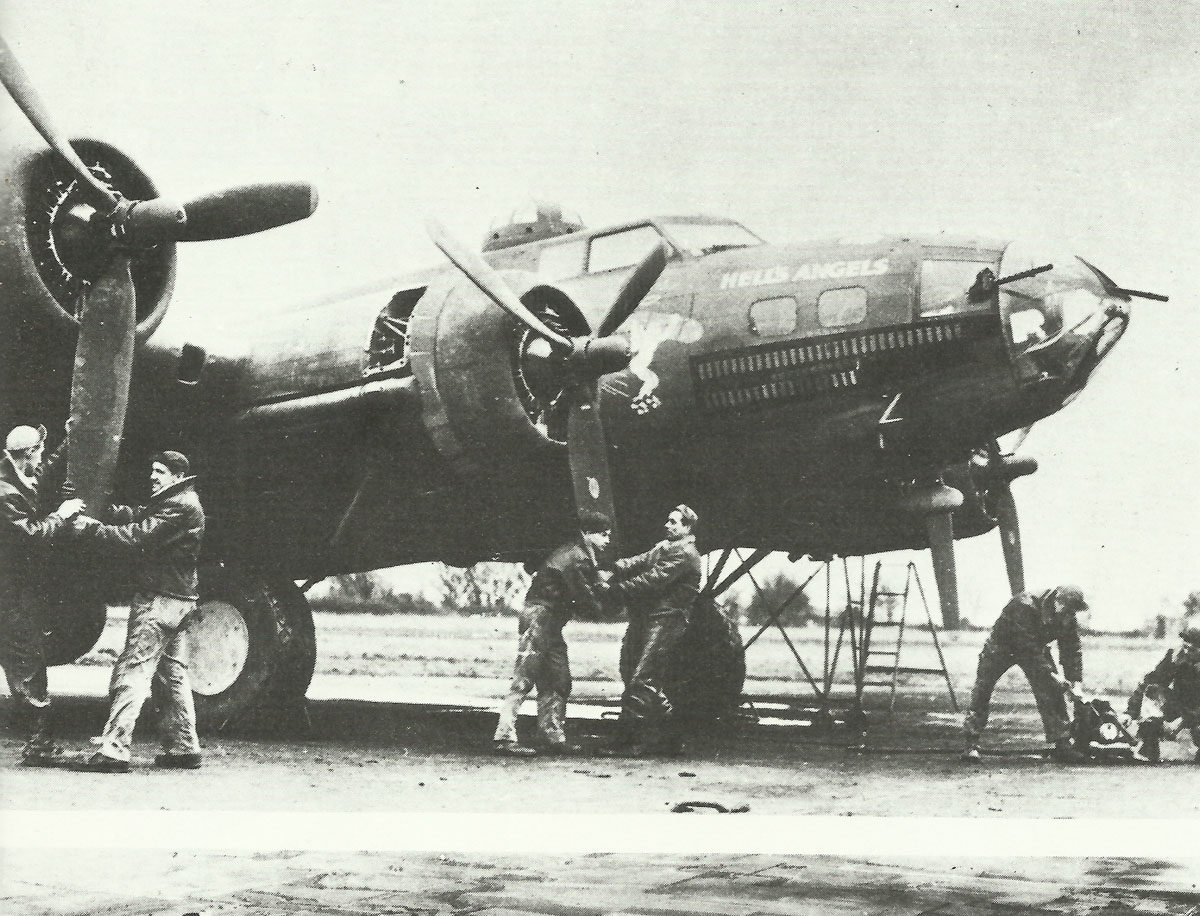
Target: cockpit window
<point x="944" y="286"/>
<point x="621" y="249"/>
<point x="698" y="239"/>
<point x="557" y="262"/>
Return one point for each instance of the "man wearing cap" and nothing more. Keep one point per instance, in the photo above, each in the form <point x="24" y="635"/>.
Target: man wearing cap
<point x="1022" y="637"/>
<point x="165" y="534"/>
<point x="26" y="530"/>
<point x="660" y="587"/>
<point x="566" y="583"/>
<point x="1174" y="685"/>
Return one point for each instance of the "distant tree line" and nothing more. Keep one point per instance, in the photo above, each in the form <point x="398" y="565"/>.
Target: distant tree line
<point x="485" y="588"/>
<point x="498" y="589"/>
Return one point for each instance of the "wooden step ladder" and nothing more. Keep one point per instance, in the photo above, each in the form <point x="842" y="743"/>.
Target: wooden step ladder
<point x="885" y="672"/>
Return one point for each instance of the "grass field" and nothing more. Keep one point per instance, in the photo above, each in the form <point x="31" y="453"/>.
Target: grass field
<point x="415" y="646"/>
<point x="481" y="647"/>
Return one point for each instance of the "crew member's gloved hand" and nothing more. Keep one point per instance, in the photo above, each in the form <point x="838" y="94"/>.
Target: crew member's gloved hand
<point x="84" y="523"/>
<point x="70" y="508"/>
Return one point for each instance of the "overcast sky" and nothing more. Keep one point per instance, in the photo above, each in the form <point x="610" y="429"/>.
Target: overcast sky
<point x="1075" y="121"/>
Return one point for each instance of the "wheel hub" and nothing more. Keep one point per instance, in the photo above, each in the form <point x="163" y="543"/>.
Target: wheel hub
<point x="219" y="644"/>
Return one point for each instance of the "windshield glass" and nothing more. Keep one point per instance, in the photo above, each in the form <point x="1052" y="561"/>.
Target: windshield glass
<point x="698" y="239"/>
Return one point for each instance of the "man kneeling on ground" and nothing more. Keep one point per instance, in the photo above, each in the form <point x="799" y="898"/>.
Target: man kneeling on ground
<point x="566" y="583"/>
<point x="1174" y="685"/>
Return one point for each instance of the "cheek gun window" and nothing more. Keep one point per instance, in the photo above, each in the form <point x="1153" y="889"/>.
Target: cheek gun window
<point x="773" y="317"/>
<point x="945" y="285"/>
<point x="839" y="307"/>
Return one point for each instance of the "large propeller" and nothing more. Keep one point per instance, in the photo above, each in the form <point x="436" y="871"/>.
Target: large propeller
<point x="119" y="229"/>
<point x="577" y="362"/>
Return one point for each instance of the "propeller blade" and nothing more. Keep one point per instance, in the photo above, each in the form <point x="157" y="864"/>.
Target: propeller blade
<point x="588" y="452"/>
<point x="20" y="87"/>
<point x="1005" y="508"/>
<point x="479" y="272"/>
<point x="940" y="528"/>
<point x="644" y="276"/>
<point x="100" y="382"/>
<point x="247" y="209"/>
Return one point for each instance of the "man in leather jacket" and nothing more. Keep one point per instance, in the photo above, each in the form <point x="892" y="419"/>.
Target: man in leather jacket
<point x="660" y="587"/>
<point x="566" y="583"/>
<point x="26" y="530"/>
<point x="166" y="534"/>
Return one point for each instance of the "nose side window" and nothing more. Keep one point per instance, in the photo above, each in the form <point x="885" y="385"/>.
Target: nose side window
<point x="773" y="317"/>
<point x="839" y="307"/>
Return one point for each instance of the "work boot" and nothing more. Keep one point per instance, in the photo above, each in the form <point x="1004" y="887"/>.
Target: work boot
<point x="512" y="749"/>
<point x="178" y="761"/>
<point x="99" y="762"/>
<point x="670" y="738"/>
<point x="1064" y="752"/>
<point x="42" y="755"/>
<point x="559" y="748"/>
<point x="1150" y="750"/>
<point x="971" y="754"/>
<point x="1151" y="732"/>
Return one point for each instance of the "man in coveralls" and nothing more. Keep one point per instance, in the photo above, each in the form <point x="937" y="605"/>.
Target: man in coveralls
<point x="1022" y="636"/>
<point x="26" y="528"/>
<point x="1175" y="685"/>
<point x="166" y="534"/>
<point x="660" y="587"/>
<point x="567" y="582"/>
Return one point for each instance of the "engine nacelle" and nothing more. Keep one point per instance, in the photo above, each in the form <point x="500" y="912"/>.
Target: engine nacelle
<point x="466" y="355"/>
<point x="47" y="255"/>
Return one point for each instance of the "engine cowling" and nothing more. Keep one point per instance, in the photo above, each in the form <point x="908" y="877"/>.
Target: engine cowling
<point x="467" y="355"/>
<point x="48" y="259"/>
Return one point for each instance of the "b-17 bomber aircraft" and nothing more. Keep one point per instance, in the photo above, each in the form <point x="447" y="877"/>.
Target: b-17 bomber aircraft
<point x="825" y="398"/>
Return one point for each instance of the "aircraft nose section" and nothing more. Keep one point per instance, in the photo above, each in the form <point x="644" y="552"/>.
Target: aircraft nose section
<point x="1060" y="320"/>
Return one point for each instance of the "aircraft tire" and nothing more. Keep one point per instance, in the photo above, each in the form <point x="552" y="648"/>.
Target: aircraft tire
<point x="251" y="645"/>
<point x="706" y="671"/>
<point x="298" y="657"/>
<point x="708" y="668"/>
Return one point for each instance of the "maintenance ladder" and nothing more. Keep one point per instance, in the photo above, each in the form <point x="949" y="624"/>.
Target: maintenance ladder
<point x="893" y="624"/>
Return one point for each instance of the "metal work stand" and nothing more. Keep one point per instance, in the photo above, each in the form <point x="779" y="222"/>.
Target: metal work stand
<point x="853" y="633"/>
<point x="893" y="623"/>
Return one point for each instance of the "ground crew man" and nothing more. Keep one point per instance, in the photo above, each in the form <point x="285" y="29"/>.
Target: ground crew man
<point x="1174" y="685"/>
<point x="566" y="583"/>
<point x="166" y="534"/>
<point x="660" y="587"/>
<point x="1022" y="636"/>
<point x="26" y="529"/>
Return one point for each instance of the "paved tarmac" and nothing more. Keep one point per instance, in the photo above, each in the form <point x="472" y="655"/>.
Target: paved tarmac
<point x="162" y="883"/>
